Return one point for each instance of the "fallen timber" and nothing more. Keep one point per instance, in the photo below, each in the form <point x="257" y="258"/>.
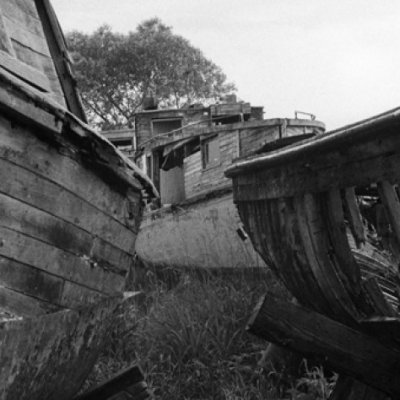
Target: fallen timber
<point x="299" y="206"/>
<point x="126" y="385"/>
<point x="70" y="209"/>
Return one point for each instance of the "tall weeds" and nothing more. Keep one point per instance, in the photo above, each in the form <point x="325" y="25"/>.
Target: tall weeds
<point x="189" y="338"/>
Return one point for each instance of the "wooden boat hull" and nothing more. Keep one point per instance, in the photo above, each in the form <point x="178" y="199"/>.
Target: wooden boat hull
<point x="70" y="209"/>
<point x="202" y="234"/>
<point x="299" y="206"/>
<point x="204" y="231"/>
<point x="67" y="236"/>
<point x="49" y="357"/>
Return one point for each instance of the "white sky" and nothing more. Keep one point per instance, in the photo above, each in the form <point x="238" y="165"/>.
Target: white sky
<point x="338" y="59"/>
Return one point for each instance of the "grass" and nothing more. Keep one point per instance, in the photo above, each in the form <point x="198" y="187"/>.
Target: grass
<point x="188" y="335"/>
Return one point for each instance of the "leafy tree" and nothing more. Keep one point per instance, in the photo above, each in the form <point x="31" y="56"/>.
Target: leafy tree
<point x="116" y="72"/>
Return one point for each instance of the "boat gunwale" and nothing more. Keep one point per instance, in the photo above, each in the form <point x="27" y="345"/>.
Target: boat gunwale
<point x="364" y="129"/>
<point x="194" y="131"/>
<point x="63" y="124"/>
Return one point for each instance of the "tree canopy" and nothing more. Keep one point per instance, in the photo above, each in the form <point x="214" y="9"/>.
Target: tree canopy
<point x="116" y="72"/>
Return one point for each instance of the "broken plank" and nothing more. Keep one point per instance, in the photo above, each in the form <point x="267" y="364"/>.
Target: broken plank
<point x="130" y="382"/>
<point x="353" y="216"/>
<point x="342" y="348"/>
<point x="390" y="200"/>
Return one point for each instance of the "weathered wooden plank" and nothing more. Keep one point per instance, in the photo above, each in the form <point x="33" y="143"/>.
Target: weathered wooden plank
<point x="25" y="6"/>
<point x="50" y="357"/>
<point x="23" y="306"/>
<point x="30" y="281"/>
<point x="39" y="285"/>
<point x="317" y="248"/>
<point x="281" y="223"/>
<point x="308" y="292"/>
<point x="346" y="266"/>
<point x="21" y="34"/>
<point x="391" y="201"/>
<point x="353" y="216"/>
<point x="32" y="189"/>
<point x="29" y="74"/>
<point x="27" y="250"/>
<point x="22" y="218"/>
<point x="131" y="380"/>
<point x="59" y="53"/>
<point x="75" y="296"/>
<point x="340" y="347"/>
<point x="5" y="42"/>
<point x="19" y="146"/>
<point x="18" y="14"/>
<point x="358" y="164"/>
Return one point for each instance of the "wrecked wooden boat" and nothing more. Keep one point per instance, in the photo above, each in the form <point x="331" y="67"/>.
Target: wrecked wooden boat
<point x="185" y="152"/>
<point x="299" y="205"/>
<point x="70" y="209"/>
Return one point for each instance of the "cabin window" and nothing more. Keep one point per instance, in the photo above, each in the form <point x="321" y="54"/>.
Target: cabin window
<point x="210" y="152"/>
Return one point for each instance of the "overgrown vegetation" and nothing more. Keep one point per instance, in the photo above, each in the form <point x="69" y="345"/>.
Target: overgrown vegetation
<point x="189" y="338"/>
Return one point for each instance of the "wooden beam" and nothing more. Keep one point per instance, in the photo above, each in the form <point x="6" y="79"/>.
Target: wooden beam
<point x="129" y="384"/>
<point x="353" y="216"/>
<point x="336" y="345"/>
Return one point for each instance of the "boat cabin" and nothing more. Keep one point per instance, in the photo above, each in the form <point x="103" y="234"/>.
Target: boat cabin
<point x="185" y="151"/>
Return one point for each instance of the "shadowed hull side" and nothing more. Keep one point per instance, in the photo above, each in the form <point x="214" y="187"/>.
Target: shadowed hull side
<point x="70" y="209"/>
<point x="200" y="235"/>
<point x="67" y="236"/>
<point x="299" y="205"/>
<point x="49" y="357"/>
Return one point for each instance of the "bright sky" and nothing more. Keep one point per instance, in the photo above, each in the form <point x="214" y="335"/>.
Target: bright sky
<point x="339" y="60"/>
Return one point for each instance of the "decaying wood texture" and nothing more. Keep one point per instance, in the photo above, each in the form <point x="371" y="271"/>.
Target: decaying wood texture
<point x="75" y="224"/>
<point x="299" y="206"/>
<point x="342" y="348"/>
<point x="27" y="55"/>
<point x="353" y="216"/>
<point x="49" y="357"/>
<point x="126" y="385"/>
<point x="61" y="59"/>
<point x="70" y="209"/>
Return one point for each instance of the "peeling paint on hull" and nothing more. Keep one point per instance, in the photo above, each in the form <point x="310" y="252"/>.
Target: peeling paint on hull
<point x="202" y="235"/>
